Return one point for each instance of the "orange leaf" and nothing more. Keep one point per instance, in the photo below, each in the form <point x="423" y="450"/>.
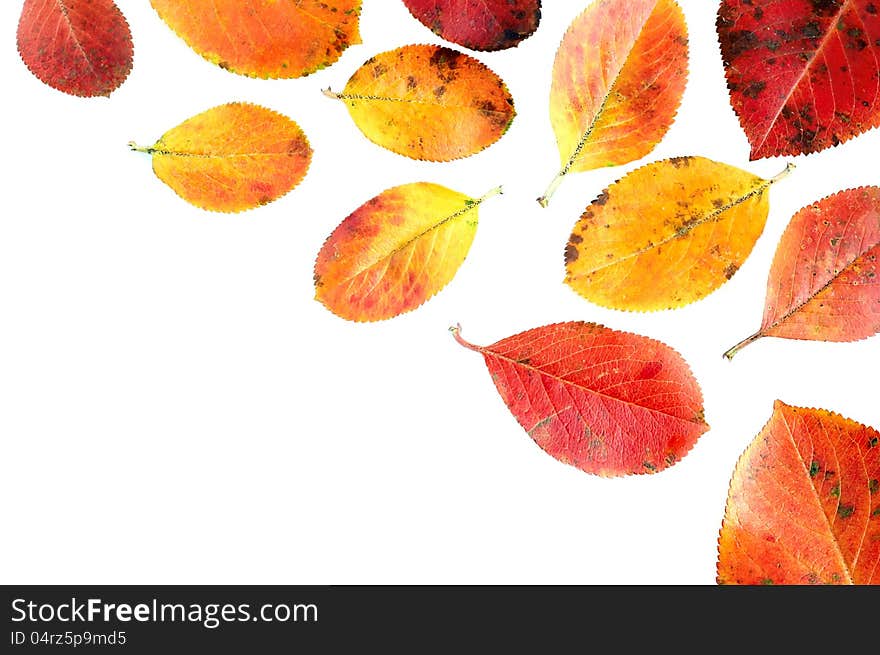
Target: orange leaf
<point x="804" y="504"/>
<point x="80" y="47"/>
<point x="825" y="281"/>
<point x="428" y="102"/>
<point x="265" y="38"/>
<point x="233" y="157"/>
<point x="618" y="80"/>
<point x="606" y="402"/>
<point x="396" y="251"/>
<point x="667" y="234"/>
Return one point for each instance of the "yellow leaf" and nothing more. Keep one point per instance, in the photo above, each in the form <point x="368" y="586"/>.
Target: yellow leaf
<point x="396" y="251"/>
<point x="428" y="102"/>
<point x="233" y="157"/>
<point x="667" y="234"/>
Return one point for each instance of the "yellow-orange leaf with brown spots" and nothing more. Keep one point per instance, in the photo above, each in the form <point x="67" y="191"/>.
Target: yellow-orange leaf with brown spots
<point x="428" y="102"/>
<point x="396" y="251"/>
<point x="618" y="80"/>
<point x="233" y="157"/>
<point x="804" y="504"/>
<point x="667" y="234"/>
<point x="265" y="38"/>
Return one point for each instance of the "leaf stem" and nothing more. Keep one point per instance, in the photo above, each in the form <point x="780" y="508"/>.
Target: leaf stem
<point x="784" y="174"/>
<point x="497" y="191"/>
<point x="551" y="190"/>
<point x="730" y="354"/>
<point x="330" y="93"/>
<point x="456" y="332"/>
<point x="149" y="150"/>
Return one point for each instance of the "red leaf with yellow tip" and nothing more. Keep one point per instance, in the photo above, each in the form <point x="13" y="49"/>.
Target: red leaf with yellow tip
<point x="265" y="38"/>
<point x="825" y="281"/>
<point x="804" y="504"/>
<point x="232" y="157"/>
<point x="479" y="24"/>
<point x="606" y="402"/>
<point x="803" y="74"/>
<point x="396" y="251"/>
<point x="618" y="80"/>
<point x="428" y="102"/>
<point x="80" y="47"/>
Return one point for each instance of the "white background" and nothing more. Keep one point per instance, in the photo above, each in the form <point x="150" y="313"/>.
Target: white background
<point x="176" y="408"/>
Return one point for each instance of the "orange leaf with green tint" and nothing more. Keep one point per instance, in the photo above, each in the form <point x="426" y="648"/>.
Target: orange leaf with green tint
<point x="609" y="403"/>
<point x="233" y="157"/>
<point x="428" y="102"/>
<point x="825" y="281"/>
<point x="80" y="47"/>
<point x="804" y="504"/>
<point x="618" y="80"/>
<point x="667" y="234"/>
<point x="396" y="251"/>
<point x="265" y="38"/>
<point x="479" y="24"/>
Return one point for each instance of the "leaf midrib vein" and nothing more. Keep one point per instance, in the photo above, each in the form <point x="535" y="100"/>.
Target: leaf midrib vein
<point x="811" y="297"/>
<point x="566" y="383"/>
<point x="400" y="248"/>
<point x="709" y="218"/>
<point x="818" y="500"/>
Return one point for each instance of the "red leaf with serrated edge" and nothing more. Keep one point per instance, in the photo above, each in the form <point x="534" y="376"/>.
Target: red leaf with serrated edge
<point x="80" y="47"/>
<point x="606" y="402"/>
<point x="479" y="24"/>
<point x="804" y="503"/>
<point x="803" y="74"/>
<point x="825" y="281"/>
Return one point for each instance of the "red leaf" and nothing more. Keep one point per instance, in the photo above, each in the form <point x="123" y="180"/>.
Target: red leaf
<point x="803" y="74"/>
<point x="825" y="280"/>
<point x="804" y="503"/>
<point x="479" y="24"/>
<point x="80" y="47"/>
<point x="607" y="402"/>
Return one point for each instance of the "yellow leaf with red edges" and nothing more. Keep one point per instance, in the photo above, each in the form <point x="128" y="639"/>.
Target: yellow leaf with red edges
<point x="804" y="504"/>
<point x="233" y="157"/>
<point x="428" y="102"/>
<point x="396" y="251"/>
<point x="667" y="234"/>
<point x="265" y="38"/>
<point x="618" y="79"/>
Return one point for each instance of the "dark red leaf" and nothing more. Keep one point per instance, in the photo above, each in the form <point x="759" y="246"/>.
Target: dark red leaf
<point x="479" y="24"/>
<point x="80" y="47"/>
<point x="803" y="74"/>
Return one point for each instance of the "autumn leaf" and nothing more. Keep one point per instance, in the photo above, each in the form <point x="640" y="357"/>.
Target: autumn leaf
<point x="233" y="157"/>
<point x="396" y="251"/>
<point x="606" y="402"/>
<point x="804" y="504"/>
<point x="825" y="280"/>
<point x="479" y="24"/>
<point x="667" y="234"/>
<point x="265" y="38"/>
<point x="803" y="75"/>
<point x="80" y="47"/>
<point x="428" y="102"/>
<point x="618" y="80"/>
